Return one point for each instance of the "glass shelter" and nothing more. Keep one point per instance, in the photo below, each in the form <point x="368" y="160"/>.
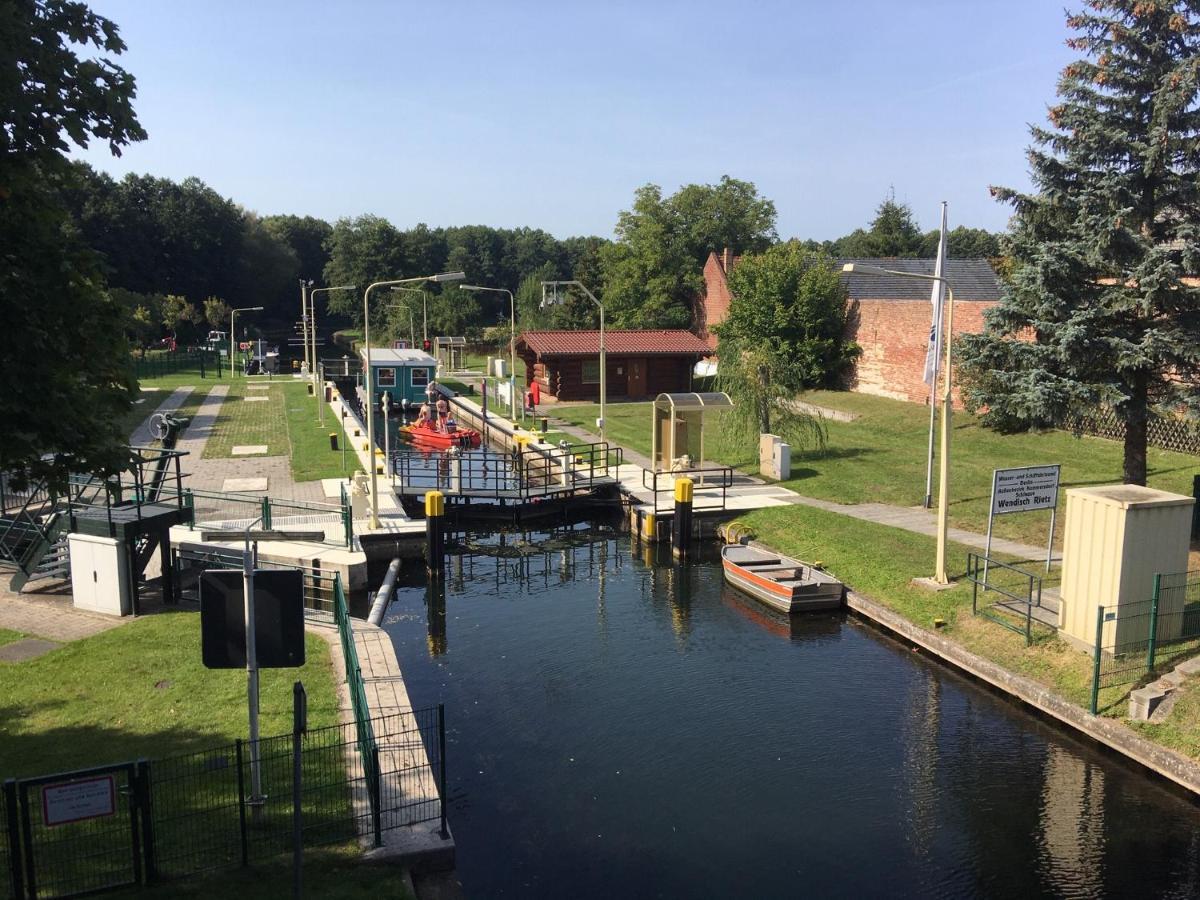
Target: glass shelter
<point x="677" y="430"/>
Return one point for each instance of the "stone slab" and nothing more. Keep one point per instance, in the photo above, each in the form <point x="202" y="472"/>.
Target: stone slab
<point x="249" y="449"/>
<point x="258" y="387"/>
<point x="26" y="648"/>
<point x="244" y="484"/>
<point x="256" y="399"/>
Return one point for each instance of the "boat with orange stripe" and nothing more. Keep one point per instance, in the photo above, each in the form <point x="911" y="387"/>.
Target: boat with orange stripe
<point x="780" y="582"/>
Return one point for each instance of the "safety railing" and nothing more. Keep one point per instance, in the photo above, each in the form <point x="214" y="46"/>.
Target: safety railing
<point x="710" y="485"/>
<point x="228" y="510"/>
<point x="1011" y="597"/>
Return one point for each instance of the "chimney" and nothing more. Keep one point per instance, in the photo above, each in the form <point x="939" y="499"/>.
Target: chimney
<point x="725" y="257"/>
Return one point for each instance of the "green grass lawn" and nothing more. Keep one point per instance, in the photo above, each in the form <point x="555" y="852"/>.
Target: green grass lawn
<point x="7" y="637"/>
<point x="244" y="420"/>
<point x="311" y="457"/>
<point x="140" y="690"/>
<point x="880" y="457"/>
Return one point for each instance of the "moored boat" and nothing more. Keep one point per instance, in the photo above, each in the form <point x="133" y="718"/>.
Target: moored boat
<point x="780" y="582"/>
<point x="434" y="439"/>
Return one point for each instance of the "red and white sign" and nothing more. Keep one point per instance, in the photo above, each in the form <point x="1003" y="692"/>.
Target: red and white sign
<point x="74" y="801"/>
<point x="400" y="345"/>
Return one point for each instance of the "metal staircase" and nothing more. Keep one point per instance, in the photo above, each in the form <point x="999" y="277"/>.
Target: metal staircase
<point x="33" y="538"/>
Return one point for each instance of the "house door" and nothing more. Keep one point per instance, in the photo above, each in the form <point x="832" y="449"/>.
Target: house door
<point x="637" y="378"/>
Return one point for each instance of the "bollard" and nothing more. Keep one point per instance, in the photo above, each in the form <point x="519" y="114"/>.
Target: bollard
<point x="333" y="440"/>
<point x="435" y="533"/>
<point x="649" y="527"/>
<point x="545" y="425"/>
<point x="681" y="522"/>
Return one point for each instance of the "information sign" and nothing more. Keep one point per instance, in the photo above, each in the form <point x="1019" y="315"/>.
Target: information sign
<point x="74" y="801"/>
<point x="1024" y="489"/>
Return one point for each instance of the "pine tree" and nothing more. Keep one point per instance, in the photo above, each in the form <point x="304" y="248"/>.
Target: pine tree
<point x="1100" y="311"/>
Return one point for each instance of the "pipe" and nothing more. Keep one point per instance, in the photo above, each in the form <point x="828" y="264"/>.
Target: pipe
<point x="384" y="595"/>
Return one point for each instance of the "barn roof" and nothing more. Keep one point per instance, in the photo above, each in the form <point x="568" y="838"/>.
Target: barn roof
<point x="970" y="279"/>
<point x="587" y="343"/>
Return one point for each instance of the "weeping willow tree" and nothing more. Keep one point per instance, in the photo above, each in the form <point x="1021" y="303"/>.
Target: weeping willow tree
<point x="784" y="334"/>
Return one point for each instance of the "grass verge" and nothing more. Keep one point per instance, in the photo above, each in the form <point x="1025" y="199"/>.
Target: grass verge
<point x="7" y="637"/>
<point x="880" y="457"/>
<point x="311" y="457"/>
<point x="252" y="414"/>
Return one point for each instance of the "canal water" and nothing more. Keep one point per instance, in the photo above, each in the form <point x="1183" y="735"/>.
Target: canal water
<point x="620" y="726"/>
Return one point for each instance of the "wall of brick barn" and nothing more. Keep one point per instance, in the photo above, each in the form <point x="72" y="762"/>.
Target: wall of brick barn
<point x="894" y="337"/>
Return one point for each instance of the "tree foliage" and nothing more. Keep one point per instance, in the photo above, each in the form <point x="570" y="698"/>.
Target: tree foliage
<point x="652" y="273"/>
<point x="1098" y="311"/>
<point x="785" y="332"/>
<point x="63" y="353"/>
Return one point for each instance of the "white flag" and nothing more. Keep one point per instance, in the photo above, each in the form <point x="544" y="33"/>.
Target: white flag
<point x="934" y="351"/>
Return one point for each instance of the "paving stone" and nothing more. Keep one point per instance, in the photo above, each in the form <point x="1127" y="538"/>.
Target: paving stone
<point x="258" y="387"/>
<point x="256" y="399"/>
<point x="249" y="449"/>
<point x="244" y="484"/>
<point x="27" y="648"/>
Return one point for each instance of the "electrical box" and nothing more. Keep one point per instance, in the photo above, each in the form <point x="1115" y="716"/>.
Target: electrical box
<point x="1117" y="538"/>
<point x="100" y="574"/>
<point x="774" y="457"/>
<point x="500" y="368"/>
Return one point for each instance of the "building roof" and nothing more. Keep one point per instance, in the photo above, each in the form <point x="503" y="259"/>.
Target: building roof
<point x="970" y="279"/>
<point x="642" y="343"/>
<point x="381" y="356"/>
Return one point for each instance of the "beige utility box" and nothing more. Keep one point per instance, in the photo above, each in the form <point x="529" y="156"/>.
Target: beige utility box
<point x="1117" y="538"/>
<point x="774" y="457"/>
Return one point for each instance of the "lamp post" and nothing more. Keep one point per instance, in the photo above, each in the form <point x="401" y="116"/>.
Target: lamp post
<point x="233" y="332"/>
<point x="940" y="575"/>
<point x="412" y="329"/>
<point x="305" y="300"/>
<point x="312" y="366"/>
<point x="370" y="376"/>
<point x="424" y="310"/>
<point x="512" y="342"/>
<point x="551" y="301"/>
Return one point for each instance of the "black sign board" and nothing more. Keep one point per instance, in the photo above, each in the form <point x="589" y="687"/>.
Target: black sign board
<point x="278" y="616"/>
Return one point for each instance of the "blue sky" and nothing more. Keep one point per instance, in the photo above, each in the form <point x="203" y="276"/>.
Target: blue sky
<point x="551" y="114"/>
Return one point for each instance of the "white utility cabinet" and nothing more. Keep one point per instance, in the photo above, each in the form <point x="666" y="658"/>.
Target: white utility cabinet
<point x="99" y="574"/>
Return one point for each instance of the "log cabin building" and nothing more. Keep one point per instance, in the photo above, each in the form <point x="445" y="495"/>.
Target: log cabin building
<point x="641" y="364"/>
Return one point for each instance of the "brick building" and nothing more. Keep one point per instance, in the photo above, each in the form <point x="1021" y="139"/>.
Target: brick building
<point x="640" y="364"/>
<point x="889" y="317"/>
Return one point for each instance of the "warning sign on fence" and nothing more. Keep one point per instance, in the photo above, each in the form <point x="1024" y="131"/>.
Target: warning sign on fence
<point x="75" y="801"/>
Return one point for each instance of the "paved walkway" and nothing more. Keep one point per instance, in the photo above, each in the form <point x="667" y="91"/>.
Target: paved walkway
<point x="753" y="493"/>
<point x="46" y="615"/>
<point x="141" y="436"/>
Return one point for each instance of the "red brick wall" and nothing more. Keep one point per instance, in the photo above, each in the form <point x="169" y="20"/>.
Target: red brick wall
<point x="894" y="336"/>
<point x="714" y="306"/>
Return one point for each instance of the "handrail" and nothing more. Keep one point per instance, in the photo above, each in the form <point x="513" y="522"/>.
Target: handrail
<point x="651" y="477"/>
<point x="368" y="748"/>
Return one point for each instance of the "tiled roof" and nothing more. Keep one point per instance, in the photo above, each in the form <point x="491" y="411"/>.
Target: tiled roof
<point x="970" y="279"/>
<point x="587" y="343"/>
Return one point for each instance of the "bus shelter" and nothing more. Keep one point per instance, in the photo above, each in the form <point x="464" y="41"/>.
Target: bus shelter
<point x="677" y="429"/>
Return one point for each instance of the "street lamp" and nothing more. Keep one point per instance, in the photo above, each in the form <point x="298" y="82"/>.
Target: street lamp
<point x="940" y="575"/>
<point x="233" y="332"/>
<point x="512" y="342"/>
<point x="370" y="376"/>
<point x="412" y="330"/>
<point x="424" y="309"/>
<point x="312" y="366"/>
<point x="554" y="300"/>
<point x="305" y="300"/>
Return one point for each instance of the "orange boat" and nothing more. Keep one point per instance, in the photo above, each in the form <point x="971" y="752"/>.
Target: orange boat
<point x="428" y="436"/>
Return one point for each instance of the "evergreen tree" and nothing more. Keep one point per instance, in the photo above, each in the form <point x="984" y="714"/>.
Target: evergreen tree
<point x="1098" y="311"/>
<point x="893" y="232"/>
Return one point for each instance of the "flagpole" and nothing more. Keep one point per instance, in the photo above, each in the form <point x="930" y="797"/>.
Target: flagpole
<point x="935" y="351"/>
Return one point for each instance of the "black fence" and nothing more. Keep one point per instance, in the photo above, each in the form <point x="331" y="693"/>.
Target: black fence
<point x="205" y="363"/>
<point x="140" y="822"/>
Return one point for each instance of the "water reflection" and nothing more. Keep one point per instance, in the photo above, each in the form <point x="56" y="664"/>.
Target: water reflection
<point x="624" y="725"/>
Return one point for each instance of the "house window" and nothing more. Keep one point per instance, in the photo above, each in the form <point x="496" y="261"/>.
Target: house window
<point x="420" y="377"/>
<point x="387" y="378"/>
<point x="591" y="371"/>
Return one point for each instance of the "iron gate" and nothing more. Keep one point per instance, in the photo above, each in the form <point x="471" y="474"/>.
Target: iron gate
<point x="83" y="831"/>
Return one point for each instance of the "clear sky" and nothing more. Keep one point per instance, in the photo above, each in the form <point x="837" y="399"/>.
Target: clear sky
<point x="551" y="114"/>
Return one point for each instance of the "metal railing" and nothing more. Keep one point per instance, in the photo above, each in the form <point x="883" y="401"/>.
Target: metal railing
<point x="1010" y="595"/>
<point x="710" y="486"/>
<point x="228" y="510"/>
<point x="317" y="584"/>
<point x="526" y="474"/>
<point x="159" y="364"/>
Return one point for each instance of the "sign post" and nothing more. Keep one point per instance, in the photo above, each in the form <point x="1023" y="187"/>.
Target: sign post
<point x="1024" y="489"/>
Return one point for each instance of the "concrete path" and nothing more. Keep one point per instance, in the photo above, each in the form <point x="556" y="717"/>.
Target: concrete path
<point x="51" y="616"/>
<point x="141" y="436"/>
<point x="195" y="436"/>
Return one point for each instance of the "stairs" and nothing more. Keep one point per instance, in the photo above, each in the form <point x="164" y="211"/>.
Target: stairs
<point x="35" y="550"/>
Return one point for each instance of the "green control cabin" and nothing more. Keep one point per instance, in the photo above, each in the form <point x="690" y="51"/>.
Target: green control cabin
<point x="404" y="374"/>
